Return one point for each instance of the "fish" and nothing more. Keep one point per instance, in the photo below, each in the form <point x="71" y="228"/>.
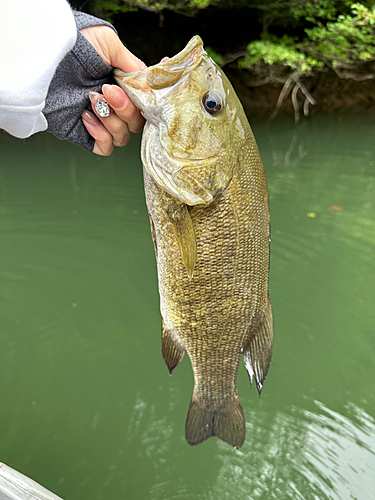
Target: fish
<point x="208" y="204"/>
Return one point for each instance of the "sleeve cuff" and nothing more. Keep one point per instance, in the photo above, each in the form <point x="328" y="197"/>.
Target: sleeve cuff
<point x="87" y="56"/>
<point x="80" y="71"/>
<point x="84" y="20"/>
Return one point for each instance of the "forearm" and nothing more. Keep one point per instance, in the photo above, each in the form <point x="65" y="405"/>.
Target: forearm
<point x="47" y="84"/>
<point x="34" y="39"/>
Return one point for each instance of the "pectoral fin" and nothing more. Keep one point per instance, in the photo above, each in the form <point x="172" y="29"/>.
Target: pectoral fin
<point x="183" y="229"/>
<point x="153" y="235"/>
<point x="172" y="351"/>
<point x="258" y="353"/>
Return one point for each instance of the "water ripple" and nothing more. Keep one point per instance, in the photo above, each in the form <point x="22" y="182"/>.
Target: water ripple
<point x="306" y="455"/>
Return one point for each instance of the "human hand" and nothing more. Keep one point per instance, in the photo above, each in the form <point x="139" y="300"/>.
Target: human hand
<point x="124" y="118"/>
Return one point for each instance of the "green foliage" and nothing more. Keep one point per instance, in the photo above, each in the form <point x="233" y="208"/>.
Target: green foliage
<point x="215" y="56"/>
<point x="345" y="43"/>
<point x="273" y="51"/>
<point x="348" y="41"/>
<point x="108" y="7"/>
<point x="312" y="11"/>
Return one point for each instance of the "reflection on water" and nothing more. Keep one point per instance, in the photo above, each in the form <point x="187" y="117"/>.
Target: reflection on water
<point x="321" y="455"/>
<point x="342" y="451"/>
<point x="155" y="433"/>
<point x="306" y="455"/>
<point x="87" y="406"/>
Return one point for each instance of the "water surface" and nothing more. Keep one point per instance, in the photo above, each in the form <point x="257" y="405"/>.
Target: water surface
<point x="86" y="404"/>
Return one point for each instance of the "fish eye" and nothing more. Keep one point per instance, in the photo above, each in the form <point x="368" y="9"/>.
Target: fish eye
<point x="212" y="103"/>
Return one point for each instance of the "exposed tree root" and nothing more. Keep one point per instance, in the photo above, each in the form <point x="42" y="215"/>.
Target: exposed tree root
<point x="295" y="82"/>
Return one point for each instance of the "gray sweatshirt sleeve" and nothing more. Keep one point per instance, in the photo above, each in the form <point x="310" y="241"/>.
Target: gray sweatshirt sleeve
<point x="81" y="70"/>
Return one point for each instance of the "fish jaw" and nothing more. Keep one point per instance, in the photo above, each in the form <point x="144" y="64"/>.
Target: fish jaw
<point x="142" y="86"/>
<point x="137" y="88"/>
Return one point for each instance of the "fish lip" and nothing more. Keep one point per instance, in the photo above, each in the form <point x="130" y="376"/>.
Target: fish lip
<point x="118" y="72"/>
<point x="193" y="43"/>
<point x="173" y="62"/>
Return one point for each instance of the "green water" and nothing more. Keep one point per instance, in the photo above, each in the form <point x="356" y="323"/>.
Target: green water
<point x="86" y="404"/>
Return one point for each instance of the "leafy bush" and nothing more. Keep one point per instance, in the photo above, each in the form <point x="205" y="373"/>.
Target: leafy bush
<point x="345" y="44"/>
<point x="284" y="52"/>
<point x="108" y="7"/>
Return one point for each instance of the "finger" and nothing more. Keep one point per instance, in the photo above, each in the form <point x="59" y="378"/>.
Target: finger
<point x="123" y="107"/>
<point x="122" y="58"/>
<point x="103" y="139"/>
<point x="113" y="123"/>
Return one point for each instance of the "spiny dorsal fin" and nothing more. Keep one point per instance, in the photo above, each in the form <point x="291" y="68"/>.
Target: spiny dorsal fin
<point x="226" y="421"/>
<point x="183" y="229"/>
<point x="258" y="353"/>
<point x="171" y="350"/>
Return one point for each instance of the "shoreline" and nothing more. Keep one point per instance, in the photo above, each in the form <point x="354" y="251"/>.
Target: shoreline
<point x="330" y="93"/>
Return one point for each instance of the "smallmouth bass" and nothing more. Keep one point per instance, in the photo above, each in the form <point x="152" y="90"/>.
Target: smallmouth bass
<point x="208" y="203"/>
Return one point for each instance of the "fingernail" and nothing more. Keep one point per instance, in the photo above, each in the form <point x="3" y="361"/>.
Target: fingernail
<point x="92" y="94"/>
<point x="89" y="118"/>
<point x="115" y="96"/>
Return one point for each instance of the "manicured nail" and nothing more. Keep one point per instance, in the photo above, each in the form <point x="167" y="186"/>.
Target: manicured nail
<point x="92" y="94"/>
<point x="115" y="96"/>
<point x="89" y="118"/>
<point x="102" y="108"/>
<point x="109" y="90"/>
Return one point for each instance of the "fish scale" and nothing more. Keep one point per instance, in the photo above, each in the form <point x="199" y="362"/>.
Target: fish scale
<point x="209" y="215"/>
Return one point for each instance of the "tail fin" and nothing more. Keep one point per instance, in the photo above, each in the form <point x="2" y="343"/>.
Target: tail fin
<point x="227" y="422"/>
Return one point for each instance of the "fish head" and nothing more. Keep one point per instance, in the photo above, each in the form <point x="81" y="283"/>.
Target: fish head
<point x="195" y="123"/>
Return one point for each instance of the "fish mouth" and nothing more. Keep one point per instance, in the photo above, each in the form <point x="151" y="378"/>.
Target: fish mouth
<point x="140" y="85"/>
<point x="192" y="50"/>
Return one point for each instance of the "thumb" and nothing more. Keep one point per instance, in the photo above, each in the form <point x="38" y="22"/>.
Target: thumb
<point x="123" y="59"/>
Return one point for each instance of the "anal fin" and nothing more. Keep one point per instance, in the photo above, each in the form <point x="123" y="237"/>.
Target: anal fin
<point x="225" y="421"/>
<point x="171" y="350"/>
<point x="258" y="353"/>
